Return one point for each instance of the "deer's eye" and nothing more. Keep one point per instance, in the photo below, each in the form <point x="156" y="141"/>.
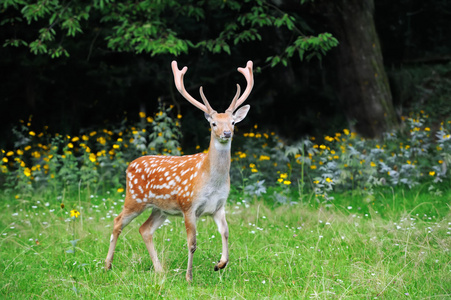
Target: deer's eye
<point x="213" y="124"/>
<point x="233" y="122"/>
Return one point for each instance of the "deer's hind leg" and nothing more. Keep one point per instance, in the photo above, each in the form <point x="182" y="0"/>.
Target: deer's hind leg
<point x="147" y="229"/>
<point x="122" y="220"/>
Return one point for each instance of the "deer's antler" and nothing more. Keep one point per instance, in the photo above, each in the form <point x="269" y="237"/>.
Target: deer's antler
<point x="236" y="102"/>
<point x="178" y="79"/>
<point x="247" y="72"/>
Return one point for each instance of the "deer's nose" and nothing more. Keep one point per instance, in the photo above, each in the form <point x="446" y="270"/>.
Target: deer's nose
<point x="227" y="134"/>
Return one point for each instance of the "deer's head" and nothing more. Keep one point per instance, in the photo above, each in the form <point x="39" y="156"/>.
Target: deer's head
<point x="222" y="124"/>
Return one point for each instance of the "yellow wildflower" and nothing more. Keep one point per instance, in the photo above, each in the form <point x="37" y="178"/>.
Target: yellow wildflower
<point x="101" y="140"/>
<point x="432" y="173"/>
<point x="142" y="114"/>
<point x="27" y="172"/>
<point x="120" y="190"/>
<point x="74" y="213"/>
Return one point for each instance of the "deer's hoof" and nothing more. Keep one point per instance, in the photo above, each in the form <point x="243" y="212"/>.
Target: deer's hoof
<point x="220" y="265"/>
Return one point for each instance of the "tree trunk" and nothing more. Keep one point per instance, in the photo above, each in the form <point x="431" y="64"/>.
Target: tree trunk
<point x="363" y="86"/>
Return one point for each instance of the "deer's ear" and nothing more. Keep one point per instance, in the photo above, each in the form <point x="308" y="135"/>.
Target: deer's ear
<point x="208" y="117"/>
<point x="241" y="113"/>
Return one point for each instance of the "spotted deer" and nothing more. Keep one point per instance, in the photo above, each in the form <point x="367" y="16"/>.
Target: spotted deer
<point x="190" y="185"/>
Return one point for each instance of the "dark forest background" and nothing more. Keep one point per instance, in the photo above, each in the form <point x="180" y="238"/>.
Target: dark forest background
<point x="70" y="65"/>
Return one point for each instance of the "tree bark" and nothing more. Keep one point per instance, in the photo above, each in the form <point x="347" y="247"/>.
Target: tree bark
<point x="363" y="87"/>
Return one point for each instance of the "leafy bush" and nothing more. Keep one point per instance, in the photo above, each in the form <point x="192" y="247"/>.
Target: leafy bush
<point x="94" y="158"/>
<point x="345" y="161"/>
<point x="262" y="163"/>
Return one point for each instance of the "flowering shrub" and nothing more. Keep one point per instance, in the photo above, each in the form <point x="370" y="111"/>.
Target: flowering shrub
<point x="261" y="161"/>
<point x="346" y="161"/>
<point x="95" y="158"/>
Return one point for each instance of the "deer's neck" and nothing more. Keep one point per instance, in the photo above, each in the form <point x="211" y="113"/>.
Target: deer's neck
<point x="219" y="157"/>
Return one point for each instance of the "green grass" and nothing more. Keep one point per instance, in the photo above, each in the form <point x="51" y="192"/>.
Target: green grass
<point x="395" y="245"/>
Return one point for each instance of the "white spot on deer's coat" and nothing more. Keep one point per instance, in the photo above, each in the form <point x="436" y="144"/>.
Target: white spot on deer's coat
<point x="135" y="181"/>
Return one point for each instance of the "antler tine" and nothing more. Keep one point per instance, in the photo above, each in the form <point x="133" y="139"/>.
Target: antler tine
<point x="178" y="79"/>
<point x="207" y="105"/>
<point x="233" y="104"/>
<point x="247" y="72"/>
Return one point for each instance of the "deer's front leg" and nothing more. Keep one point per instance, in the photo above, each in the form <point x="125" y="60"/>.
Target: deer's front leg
<point x="221" y="222"/>
<point x="190" y="225"/>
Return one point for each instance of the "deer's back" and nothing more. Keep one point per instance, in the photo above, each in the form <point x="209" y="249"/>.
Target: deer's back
<point x="166" y="182"/>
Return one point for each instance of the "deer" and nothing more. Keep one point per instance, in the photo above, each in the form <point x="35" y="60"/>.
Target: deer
<point x="190" y="185"/>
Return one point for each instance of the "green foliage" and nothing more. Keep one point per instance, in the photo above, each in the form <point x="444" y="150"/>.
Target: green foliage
<point x="262" y="164"/>
<point x="94" y="158"/>
<point x="345" y="161"/>
<point x="161" y="27"/>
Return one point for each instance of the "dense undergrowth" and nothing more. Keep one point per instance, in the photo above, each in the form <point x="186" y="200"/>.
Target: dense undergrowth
<point x="418" y="153"/>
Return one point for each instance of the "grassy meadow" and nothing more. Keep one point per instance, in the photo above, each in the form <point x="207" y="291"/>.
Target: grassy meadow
<point x="394" y="246"/>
